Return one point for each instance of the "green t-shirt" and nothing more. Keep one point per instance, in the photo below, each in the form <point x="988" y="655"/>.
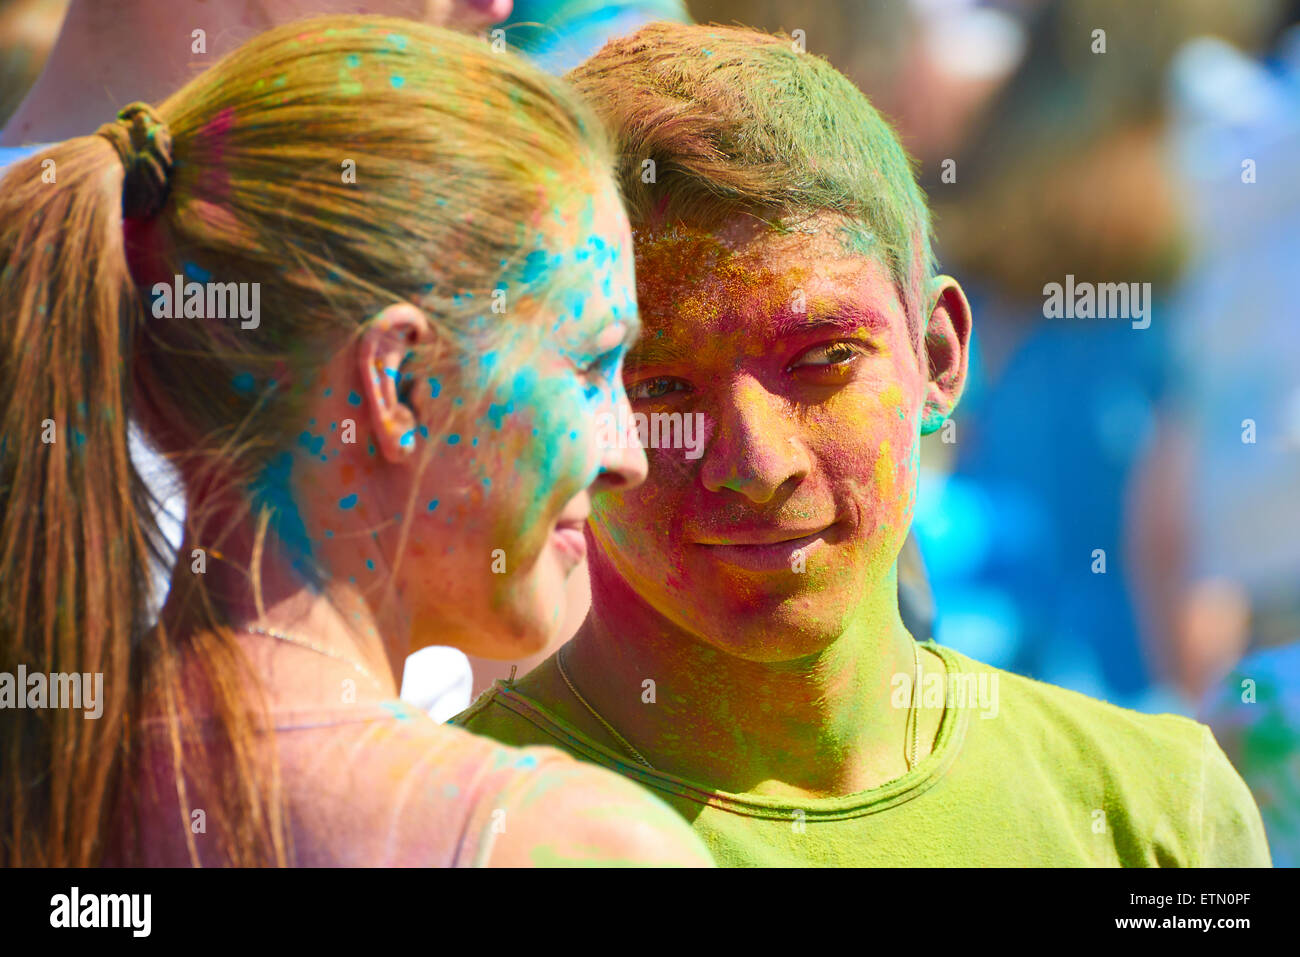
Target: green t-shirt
<point x="1048" y="778"/>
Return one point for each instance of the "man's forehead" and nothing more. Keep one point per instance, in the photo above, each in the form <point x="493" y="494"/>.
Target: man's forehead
<point x="692" y="280"/>
<point x="740" y="235"/>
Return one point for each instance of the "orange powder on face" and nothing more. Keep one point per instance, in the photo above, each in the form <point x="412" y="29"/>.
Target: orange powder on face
<point x="690" y="276"/>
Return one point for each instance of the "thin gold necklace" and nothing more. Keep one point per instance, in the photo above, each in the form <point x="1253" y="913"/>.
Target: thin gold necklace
<point x="912" y="716"/>
<point x="559" y="660"/>
<point x="312" y="646"/>
<point x="911" y="713"/>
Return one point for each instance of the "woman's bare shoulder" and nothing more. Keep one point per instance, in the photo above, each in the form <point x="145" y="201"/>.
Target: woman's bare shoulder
<point x="411" y="792"/>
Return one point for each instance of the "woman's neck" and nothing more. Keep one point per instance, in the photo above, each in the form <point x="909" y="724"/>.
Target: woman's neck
<point x="274" y="601"/>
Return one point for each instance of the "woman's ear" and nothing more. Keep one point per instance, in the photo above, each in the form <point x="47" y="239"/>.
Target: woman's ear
<point x="947" y="347"/>
<point x="381" y="350"/>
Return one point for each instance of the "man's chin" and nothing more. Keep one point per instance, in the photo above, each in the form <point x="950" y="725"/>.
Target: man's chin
<point x="780" y="630"/>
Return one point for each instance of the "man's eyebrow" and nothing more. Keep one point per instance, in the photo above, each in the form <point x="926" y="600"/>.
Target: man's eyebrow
<point x="654" y="348"/>
<point x="847" y="317"/>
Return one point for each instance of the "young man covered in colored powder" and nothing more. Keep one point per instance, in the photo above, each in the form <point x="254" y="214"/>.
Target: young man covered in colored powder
<point x="744" y="656"/>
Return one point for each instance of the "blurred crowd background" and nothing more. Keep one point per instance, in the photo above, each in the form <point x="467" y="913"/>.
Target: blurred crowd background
<point x="1173" y="452"/>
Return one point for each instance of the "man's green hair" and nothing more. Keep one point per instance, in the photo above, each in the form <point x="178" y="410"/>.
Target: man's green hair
<point x="736" y="120"/>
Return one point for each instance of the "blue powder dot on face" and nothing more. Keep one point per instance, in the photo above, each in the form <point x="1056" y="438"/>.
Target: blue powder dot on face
<point x="370" y="448"/>
<point x="324" y="458"/>
<point x="328" y="393"/>
<point x="453" y="439"/>
<point x="329" y="533"/>
<point x="475" y="442"/>
<point x="348" y="501"/>
<point x="573" y="435"/>
<point x="458" y="401"/>
<point x="310" y="443"/>
<point x="354" y="399"/>
<point x="534" y="266"/>
<point x="333" y="426"/>
<point x="244" y="382"/>
<point x="408" y="438"/>
<point x="487" y="483"/>
<point x="370" y="564"/>
<point x="433" y="503"/>
<point x="498" y="412"/>
<point x="527" y="761"/>
<point x="424" y="431"/>
<point x="311" y="421"/>
<point x="435" y="388"/>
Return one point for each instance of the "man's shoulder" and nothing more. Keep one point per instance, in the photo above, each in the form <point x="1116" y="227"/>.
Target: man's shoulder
<point x="1058" y="719"/>
<point x="516" y="714"/>
<point x="1159" y="783"/>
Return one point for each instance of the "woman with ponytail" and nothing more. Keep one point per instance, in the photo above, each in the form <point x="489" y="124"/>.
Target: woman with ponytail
<point x="367" y="285"/>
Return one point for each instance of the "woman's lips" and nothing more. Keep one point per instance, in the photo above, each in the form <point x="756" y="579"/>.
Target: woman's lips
<point x="770" y="551"/>
<point x="570" y="543"/>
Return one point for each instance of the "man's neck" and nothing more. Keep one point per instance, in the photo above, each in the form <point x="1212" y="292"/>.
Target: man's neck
<point x="818" y="726"/>
<point x="111" y="54"/>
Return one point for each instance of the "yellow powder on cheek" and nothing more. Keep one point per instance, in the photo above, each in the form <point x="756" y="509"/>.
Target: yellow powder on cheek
<point x="885" y="473"/>
<point x="891" y="397"/>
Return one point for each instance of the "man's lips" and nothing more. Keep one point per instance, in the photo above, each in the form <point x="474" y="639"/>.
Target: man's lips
<point x="765" y="550"/>
<point x="761" y="536"/>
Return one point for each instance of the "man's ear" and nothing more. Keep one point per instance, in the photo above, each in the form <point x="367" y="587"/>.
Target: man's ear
<point x="381" y="349"/>
<point x="946" y="346"/>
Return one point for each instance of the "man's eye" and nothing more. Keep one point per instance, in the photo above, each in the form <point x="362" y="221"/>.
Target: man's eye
<point x="833" y="354"/>
<point x="655" y="388"/>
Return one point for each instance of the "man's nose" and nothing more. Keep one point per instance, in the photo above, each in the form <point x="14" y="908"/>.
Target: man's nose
<point x="755" y="447"/>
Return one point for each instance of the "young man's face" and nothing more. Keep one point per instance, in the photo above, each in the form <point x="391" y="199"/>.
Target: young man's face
<point x="797" y="353"/>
